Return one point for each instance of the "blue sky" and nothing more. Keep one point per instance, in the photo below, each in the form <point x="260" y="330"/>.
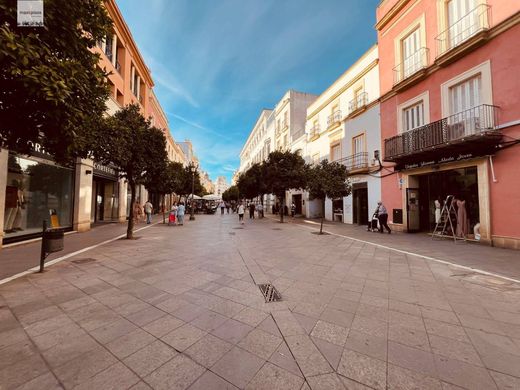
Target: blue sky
<point x="217" y="63"/>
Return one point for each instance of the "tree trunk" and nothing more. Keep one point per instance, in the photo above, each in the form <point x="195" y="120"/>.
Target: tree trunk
<point x="322" y="216"/>
<point x="164" y="208"/>
<point x="130" y="228"/>
<point x="282" y="208"/>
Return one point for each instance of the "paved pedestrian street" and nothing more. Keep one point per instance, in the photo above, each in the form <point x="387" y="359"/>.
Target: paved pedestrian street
<point x="179" y="308"/>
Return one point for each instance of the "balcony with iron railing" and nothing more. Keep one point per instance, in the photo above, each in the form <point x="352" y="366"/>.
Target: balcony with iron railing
<point x="334" y="119"/>
<point x="358" y="103"/>
<point x="411" y="68"/>
<point x="469" y="131"/>
<point x="356" y="163"/>
<point x="314" y="132"/>
<point x="473" y="24"/>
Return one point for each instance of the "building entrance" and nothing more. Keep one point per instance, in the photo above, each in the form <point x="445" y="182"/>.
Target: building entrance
<point x="360" y="205"/>
<point x="297" y="199"/>
<point x="104" y="200"/>
<point x="461" y="183"/>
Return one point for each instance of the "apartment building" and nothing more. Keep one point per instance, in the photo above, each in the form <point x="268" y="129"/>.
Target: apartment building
<point x="343" y="125"/>
<point x="449" y="113"/>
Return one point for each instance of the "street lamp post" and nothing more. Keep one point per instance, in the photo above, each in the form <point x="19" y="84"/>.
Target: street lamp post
<point x="192" y="216"/>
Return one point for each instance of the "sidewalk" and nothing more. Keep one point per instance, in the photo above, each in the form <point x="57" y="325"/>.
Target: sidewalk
<point x="504" y="262"/>
<point x="180" y="308"/>
<point x="20" y="258"/>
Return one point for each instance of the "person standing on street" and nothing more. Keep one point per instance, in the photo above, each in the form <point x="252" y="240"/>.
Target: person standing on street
<point x="293" y="209"/>
<point x="251" y="210"/>
<point x="222" y="207"/>
<point x="227" y="207"/>
<point x="241" y="211"/>
<point x="382" y="216"/>
<point x="260" y="210"/>
<point x="180" y="214"/>
<point x="148" y="208"/>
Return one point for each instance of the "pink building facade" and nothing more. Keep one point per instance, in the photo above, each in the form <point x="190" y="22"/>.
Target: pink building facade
<point x="450" y="113"/>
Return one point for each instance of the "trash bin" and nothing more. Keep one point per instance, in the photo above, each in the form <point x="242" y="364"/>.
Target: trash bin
<point x="53" y="240"/>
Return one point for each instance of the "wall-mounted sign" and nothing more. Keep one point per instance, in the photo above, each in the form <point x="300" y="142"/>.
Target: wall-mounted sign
<point x="437" y="161"/>
<point x="106" y="171"/>
<point x="30" y="13"/>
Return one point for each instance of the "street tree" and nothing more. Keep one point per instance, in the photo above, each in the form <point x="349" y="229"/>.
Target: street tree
<point x="165" y="180"/>
<point x="135" y="148"/>
<point x="52" y="91"/>
<point x="284" y="171"/>
<point x="327" y="180"/>
<point x="231" y="194"/>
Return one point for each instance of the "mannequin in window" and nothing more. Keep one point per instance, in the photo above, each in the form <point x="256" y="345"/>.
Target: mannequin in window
<point x="462" y="218"/>
<point x="437" y="204"/>
<point x="14" y="204"/>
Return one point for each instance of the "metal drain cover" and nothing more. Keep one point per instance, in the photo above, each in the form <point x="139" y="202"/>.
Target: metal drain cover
<point x="270" y="293"/>
<point x="237" y="228"/>
<point x="84" y="261"/>
<point x="277" y="229"/>
<point x="232" y="233"/>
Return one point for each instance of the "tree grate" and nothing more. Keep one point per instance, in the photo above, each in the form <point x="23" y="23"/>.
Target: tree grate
<point x="84" y="261"/>
<point x="270" y="293"/>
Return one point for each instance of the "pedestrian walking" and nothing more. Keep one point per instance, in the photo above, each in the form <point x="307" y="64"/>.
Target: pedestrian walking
<point x="172" y="219"/>
<point x="228" y="206"/>
<point x="222" y="206"/>
<point x="180" y="214"/>
<point x="241" y="211"/>
<point x="251" y="210"/>
<point x="148" y="208"/>
<point x="260" y="210"/>
<point x="293" y="209"/>
<point x="382" y="216"/>
<point x="138" y="211"/>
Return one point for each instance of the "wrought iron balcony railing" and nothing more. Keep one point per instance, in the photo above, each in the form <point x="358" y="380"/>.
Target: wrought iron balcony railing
<point x="358" y="102"/>
<point x="411" y="65"/>
<point x="469" y="25"/>
<point x="356" y="163"/>
<point x="459" y="127"/>
<point x="334" y="118"/>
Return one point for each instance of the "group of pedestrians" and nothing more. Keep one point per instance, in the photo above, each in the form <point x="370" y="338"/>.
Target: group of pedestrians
<point x="224" y="206"/>
<point x="177" y="213"/>
<point x="252" y="208"/>
<point x="140" y="212"/>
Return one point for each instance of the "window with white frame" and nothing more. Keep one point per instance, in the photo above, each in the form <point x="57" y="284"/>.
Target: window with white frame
<point x="316" y="158"/>
<point x="335" y="152"/>
<point x="358" y="148"/>
<point x="465" y="95"/>
<point x="413" y="116"/>
<point x="410" y="46"/>
<point x="463" y="20"/>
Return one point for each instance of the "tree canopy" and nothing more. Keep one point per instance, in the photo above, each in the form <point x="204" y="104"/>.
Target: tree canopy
<point x="52" y="91"/>
<point x="230" y="194"/>
<point x="253" y="182"/>
<point x="328" y="180"/>
<point x="285" y="171"/>
<point x="191" y="176"/>
<point x="135" y="148"/>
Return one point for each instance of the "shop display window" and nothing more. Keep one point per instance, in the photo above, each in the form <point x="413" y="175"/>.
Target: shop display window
<point x="36" y="190"/>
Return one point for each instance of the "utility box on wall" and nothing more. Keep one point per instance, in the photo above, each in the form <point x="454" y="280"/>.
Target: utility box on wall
<point x="397" y="216"/>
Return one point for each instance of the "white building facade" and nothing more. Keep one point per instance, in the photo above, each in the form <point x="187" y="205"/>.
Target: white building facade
<point x="220" y="185"/>
<point x="343" y="125"/>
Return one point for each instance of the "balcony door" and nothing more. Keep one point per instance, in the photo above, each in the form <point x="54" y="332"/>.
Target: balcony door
<point x="465" y="99"/>
<point x="358" y="149"/>
<point x="411" y="53"/>
<point x="463" y="20"/>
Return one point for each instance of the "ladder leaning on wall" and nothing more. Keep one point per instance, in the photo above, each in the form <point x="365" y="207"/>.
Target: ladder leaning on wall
<point x="448" y="221"/>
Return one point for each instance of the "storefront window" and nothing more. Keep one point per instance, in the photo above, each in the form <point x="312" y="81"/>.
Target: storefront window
<point x="35" y="190"/>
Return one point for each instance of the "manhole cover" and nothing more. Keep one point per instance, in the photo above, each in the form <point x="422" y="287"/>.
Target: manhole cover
<point x="84" y="261"/>
<point x="277" y="229"/>
<point x="237" y="228"/>
<point x="232" y="233"/>
<point x="270" y="293"/>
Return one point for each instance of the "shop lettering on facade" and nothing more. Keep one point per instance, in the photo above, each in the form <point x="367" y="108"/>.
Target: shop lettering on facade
<point x="105" y="170"/>
<point x="441" y="160"/>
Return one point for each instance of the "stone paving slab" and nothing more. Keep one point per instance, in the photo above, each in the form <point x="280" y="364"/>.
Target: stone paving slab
<point x="179" y="308"/>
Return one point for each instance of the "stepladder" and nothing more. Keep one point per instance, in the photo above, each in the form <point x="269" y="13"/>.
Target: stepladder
<point x="447" y="223"/>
